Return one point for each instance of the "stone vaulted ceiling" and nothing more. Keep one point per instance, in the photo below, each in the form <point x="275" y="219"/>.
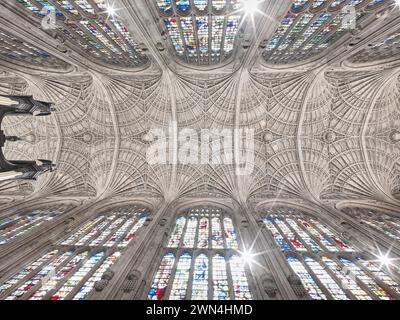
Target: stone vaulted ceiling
<point x="325" y="108"/>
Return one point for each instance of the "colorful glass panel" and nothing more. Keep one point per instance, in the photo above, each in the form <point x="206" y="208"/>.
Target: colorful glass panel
<point x="160" y="282"/>
<point x="240" y="286"/>
<point x="200" y="278"/>
<point x="306" y="279"/>
<point x="220" y="278"/>
<point x="176" y="236"/>
<point x="181" y="279"/>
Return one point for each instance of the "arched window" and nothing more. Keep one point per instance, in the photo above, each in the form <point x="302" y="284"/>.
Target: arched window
<point x="378" y="221"/>
<point x="204" y="33"/>
<point x="103" y="37"/>
<point x="328" y="267"/>
<point x="17" y="51"/>
<point x="71" y="269"/>
<point x="19" y="224"/>
<point x="201" y="260"/>
<point x="310" y="27"/>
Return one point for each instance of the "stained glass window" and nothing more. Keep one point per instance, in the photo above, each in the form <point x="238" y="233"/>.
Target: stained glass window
<point x="365" y="279"/>
<point x="59" y="274"/>
<point x="377" y="221"/>
<point x="200" y="278"/>
<point x="181" y="279"/>
<point x="386" y="48"/>
<point x="104" y="37"/>
<point x="177" y="233"/>
<point x="17" y="51"/>
<point x="306" y="279"/>
<point x="196" y="274"/>
<point x="216" y="237"/>
<point x="333" y="277"/>
<point x="309" y="27"/>
<point x="19" y="224"/>
<point x="347" y="281"/>
<point x="204" y="33"/>
<point x="190" y="234"/>
<point x="203" y="233"/>
<point x="90" y="283"/>
<point x="220" y="278"/>
<point x="161" y="279"/>
<point x="240" y="285"/>
<point x="334" y="289"/>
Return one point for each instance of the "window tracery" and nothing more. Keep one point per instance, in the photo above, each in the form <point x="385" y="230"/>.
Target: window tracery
<point x="386" y="48"/>
<point x="202" y="33"/>
<point x="201" y="260"/>
<point x="19" y="224"/>
<point x="328" y="267"/>
<point x="72" y="267"/>
<point x="310" y="27"/>
<point x="91" y="28"/>
<point x="15" y="50"/>
<point x="378" y="221"/>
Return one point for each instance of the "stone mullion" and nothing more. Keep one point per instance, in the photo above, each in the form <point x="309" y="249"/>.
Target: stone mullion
<point x="209" y="23"/>
<point x="279" y="259"/>
<point x="19" y="229"/>
<point x="177" y="253"/>
<point x="323" y="248"/>
<point x="194" y="254"/>
<point x="328" y="238"/>
<point x="378" y="280"/>
<point x="115" y="229"/>
<point x="178" y="20"/>
<point x="282" y="40"/>
<point x="195" y="35"/>
<point x="297" y="236"/>
<point x="348" y="293"/>
<point x="180" y="244"/>
<point x="80" y="284"/>
<point x="39" y="285"/>
<point x="247" y="238"/>
<point x="122" y="236"/>
<point x="75" y="230"/>
<point x="110" y="40"/>
<point x="80" y="26"/>
<point x="61" y="283"/>
<point x="316" y="32"/>
<point x="60" y="8"/>
<point x="318" y="282"/>
<point x="28" y="245"/>
<point x="360" y="283"/>
<point x="73" y="17"/>
<point x="370" y="237"/>
<point x="140" y="254"/>
<point x="28" y="276"/>
<point x="210" y="256"/>
<point x="292" y="247"/>
<point x="119" y="34"/>
<point x="87" y="16"/>
<point x="273" y="260"/>
<point x="227" y="256"/>
<point x="221" y="48"/>
<point x="98" y="232"/>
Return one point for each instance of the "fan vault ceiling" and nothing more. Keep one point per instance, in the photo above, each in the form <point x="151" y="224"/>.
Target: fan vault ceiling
<point x="325" y="121"/>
